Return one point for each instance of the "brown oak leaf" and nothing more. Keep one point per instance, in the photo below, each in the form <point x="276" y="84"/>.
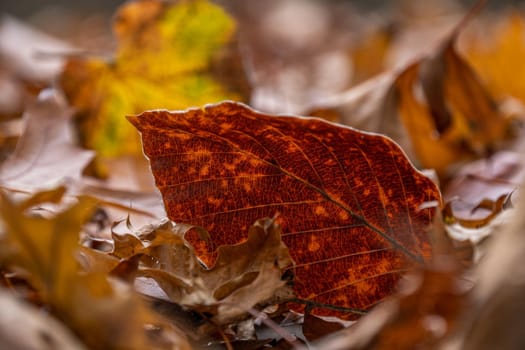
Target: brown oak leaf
<point x="243" y="275"/>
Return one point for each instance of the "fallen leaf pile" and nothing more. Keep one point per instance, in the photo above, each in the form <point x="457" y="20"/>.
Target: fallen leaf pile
<point x="258" y="175"/>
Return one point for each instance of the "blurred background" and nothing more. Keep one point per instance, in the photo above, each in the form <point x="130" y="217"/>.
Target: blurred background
<point x="26" y="8"/>
<point x="293" y="51"/>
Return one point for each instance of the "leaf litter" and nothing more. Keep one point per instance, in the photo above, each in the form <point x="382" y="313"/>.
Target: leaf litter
<point x="216" y="280"/>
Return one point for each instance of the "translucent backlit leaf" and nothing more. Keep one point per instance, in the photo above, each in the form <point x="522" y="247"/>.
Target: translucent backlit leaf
<point x="348" y="201"/>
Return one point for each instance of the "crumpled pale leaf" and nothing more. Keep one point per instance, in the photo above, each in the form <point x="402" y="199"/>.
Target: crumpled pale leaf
<point x="166" y="54"/>
<point x="244" y="274"/>
<point x="46" y="154"/>
<point x="43" y="250"/>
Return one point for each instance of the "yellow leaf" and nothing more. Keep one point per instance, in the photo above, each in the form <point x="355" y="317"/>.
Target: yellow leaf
<point x="164" y="59"/>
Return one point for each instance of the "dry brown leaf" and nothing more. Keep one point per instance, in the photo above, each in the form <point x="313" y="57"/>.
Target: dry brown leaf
<point x="243" y="276"/>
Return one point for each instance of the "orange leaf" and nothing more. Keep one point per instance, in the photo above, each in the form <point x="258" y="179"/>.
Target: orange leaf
<point x="348" y="201"/>
<point x="497" y="51"/>
<point x="459" y="121"/>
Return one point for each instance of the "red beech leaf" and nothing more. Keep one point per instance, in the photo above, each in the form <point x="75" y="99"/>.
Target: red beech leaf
<point x="349" y="202"/>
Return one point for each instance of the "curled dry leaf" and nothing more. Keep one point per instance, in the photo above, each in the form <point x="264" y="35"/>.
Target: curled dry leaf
<point x="482" y="189"/>
<point x="460" y="119"/>
<point x="244" y="275"/>
<point x="436" y="108"/>
<point x="495" y="318"/>
<point x="45" y="154"/>
<point x="348" y="201"/>
<point x="158" y="62"/>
